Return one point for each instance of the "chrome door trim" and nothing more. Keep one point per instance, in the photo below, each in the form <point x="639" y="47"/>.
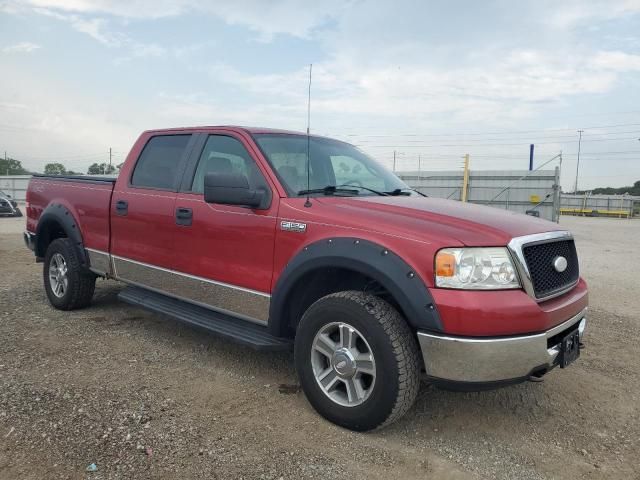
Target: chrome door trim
<point x="99" y="262"/>
<point x="195" y="277"/>
<point x="518" y="243"/>
<point x="241" y="302"/>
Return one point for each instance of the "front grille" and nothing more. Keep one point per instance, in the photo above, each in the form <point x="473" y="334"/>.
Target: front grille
<point x="544" y="277"/>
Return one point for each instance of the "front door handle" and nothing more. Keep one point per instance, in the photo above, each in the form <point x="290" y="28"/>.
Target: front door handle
<point x="184" y="216"/>
<point x="122" y="207"/>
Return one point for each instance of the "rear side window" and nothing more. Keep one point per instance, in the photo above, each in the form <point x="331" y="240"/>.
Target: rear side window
<point x="158" y="164"/>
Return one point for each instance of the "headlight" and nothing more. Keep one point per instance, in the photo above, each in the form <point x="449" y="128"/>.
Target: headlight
<point x="475" y="269"/>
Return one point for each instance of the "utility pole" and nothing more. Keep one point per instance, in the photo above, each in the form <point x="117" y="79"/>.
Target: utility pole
<point x="465" y="178"/>
<point x="419" y="167"/>
<point x="575" y="190"/>
<point x="394" y="161"/>
<point x="109" y="159"/>
<point x="5" y="161"/>
<point x="531" y="157"/>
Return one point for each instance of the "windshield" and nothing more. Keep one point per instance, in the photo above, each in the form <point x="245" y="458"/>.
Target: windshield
<point x="333" y="164"/>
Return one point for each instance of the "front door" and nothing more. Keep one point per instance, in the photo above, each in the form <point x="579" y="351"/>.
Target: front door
<point x="227" y="250"/>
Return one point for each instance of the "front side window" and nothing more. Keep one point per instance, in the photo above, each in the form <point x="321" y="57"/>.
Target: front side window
<point x="333" y="165"/>
<point x="158" y="164"/>
<point x="223" y="154"/>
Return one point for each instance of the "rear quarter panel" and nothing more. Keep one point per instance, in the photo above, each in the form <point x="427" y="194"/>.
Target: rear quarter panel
<point x="87" y="201"/>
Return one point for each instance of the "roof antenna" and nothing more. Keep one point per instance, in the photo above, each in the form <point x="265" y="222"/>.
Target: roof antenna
<point x="308" y="202"/>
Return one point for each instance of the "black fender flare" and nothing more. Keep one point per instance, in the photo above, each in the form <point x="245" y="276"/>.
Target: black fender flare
<point x="58" y="213"/>
<point x="367" y="258"/>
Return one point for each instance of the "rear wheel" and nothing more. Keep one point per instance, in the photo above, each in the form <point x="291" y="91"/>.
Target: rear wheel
<point x="357" y="360"/>
<point x="68" y="285"/>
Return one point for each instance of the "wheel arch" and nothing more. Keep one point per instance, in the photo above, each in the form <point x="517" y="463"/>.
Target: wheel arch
<point x="346" y="263"/>
<point x="57" y="221"/>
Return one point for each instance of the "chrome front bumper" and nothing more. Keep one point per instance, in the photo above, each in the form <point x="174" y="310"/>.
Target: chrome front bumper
<point x="498" y="359"/>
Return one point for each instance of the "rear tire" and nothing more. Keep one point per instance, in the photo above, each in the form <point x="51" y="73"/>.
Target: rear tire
<point x="68" y="284"/>
<point x="358" y="361"/>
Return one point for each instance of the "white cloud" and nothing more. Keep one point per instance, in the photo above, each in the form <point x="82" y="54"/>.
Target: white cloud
<point x="292" y="17"/>
<point x="96" y="28"/>
<point x="266" y="18"/>
<point x="508" y="87"/>
<point x="22" y="47"/>
<point x="571" y="13"/>
<point x="616" y="61"/>
<point x="101" y="30"/>
<point x="119" y="8"/>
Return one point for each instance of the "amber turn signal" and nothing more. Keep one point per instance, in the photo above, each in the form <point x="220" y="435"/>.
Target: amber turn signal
<point x="445" y="264"/>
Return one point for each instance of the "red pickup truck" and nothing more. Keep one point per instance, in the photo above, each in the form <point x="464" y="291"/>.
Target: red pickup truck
<point x="280" y="240"/>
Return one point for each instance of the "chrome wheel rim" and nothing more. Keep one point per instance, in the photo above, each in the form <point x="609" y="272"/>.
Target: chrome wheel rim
<point x="58" y="275"/>
<point x="343" y="364"/>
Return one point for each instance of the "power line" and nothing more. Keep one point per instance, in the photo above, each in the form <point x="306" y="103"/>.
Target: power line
<point x="528" y="139"/>
<point x="502" y="132"/>
<point x="466" y="145"/>
<point x="68" y="157"/>
<point x="506" y="156"/>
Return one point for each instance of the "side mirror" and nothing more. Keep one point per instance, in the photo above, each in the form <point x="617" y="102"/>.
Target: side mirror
<point x="231" y="189"/>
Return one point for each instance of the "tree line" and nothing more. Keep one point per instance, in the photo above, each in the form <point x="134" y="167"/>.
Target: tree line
<point x="631" y="190"/>
<point x="11" y="166"/>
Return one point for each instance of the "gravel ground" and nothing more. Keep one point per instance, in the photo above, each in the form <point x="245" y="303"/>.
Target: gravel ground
<point x="143" y="397"/>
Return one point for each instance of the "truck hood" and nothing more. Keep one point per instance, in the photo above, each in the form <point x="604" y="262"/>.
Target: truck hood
<point x="438" y="220"/>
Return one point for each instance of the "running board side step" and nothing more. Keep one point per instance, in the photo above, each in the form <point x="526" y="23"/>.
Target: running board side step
<point x="226" y="326"/>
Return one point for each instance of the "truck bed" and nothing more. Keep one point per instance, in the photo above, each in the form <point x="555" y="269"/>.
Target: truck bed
<point x="87" y="200"/>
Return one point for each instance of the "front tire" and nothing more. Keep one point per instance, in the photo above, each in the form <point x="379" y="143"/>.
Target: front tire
<point x="68" y="284"/>
<point x="358" y="361"/>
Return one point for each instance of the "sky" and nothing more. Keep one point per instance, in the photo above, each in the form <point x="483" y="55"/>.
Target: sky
<point x="428" y="80"/>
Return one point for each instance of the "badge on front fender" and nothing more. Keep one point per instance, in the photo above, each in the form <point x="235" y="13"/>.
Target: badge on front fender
<point x="288" y="226"/>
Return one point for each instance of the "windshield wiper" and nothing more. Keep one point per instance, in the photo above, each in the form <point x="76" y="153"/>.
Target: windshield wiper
<point x="403" y="191"/>
<point x="364" y="188"/>
<point x="329" y="190"/>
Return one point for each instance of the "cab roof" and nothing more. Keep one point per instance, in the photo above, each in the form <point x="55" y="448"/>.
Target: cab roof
<point x="239" y="128"/>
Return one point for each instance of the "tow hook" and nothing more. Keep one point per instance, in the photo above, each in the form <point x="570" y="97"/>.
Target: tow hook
<point x="535" y="379"/>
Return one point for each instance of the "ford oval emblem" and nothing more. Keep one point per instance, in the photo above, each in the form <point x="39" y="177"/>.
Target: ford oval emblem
<point x="560" y="264"/>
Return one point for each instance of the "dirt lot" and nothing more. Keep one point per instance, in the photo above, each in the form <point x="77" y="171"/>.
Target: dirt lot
<point x="143" y="397"/>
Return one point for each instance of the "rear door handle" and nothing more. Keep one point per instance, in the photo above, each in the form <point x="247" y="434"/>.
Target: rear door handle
<point x="184" y="216"/>
<point x="122" y="207"/>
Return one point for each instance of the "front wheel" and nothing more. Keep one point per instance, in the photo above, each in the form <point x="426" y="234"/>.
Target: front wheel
<point x="357" y="360"/>
<point x="68" y="285"/>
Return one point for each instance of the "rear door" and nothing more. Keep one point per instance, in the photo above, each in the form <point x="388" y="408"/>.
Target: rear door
<point x="142" y="212"/>
<point x="226" y="251"/>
